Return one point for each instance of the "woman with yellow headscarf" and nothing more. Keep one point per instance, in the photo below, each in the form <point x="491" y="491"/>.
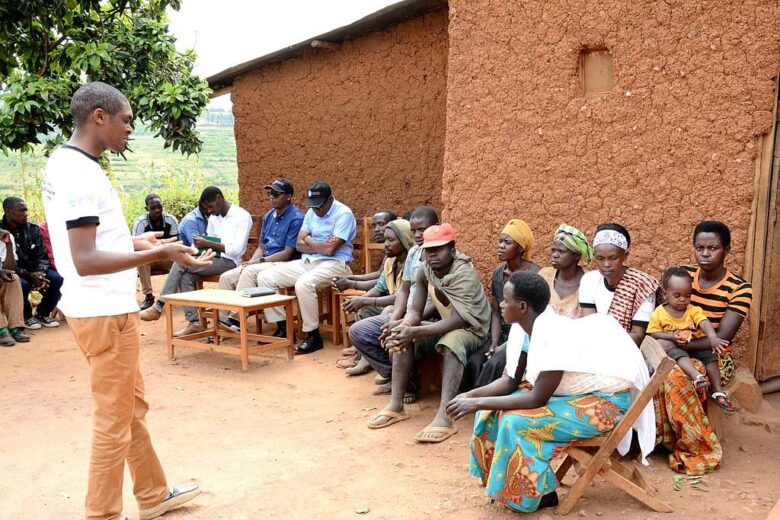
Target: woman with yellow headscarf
<point x="515" y="243"/>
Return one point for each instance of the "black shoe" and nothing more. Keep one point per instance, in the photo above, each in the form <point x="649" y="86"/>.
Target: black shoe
<point x="311" y="343"/>
<point x="148" y="302"/>
<point x="19" y="335"/>
<point x="281" y="329"/>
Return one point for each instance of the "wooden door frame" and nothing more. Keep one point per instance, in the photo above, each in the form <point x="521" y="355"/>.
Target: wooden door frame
<point x="763" y="221"/>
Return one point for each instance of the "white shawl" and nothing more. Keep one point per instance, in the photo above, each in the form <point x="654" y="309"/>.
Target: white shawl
<point x="595" y="344"/>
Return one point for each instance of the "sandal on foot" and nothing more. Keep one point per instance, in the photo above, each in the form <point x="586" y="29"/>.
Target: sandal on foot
<point x="395" y="417"/>
<point x="380" y="380"/>
<point x="347" y="362"/>
<point x="448" y="432"/>
<point x="700" y="382"/>
<point x="722" y="400"/>
<point x="384" y="389"/>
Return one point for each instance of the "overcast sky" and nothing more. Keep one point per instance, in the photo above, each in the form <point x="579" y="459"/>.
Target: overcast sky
<point x="228" y="32"/>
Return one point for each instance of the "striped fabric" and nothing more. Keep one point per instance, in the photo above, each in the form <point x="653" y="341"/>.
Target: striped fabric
<point x="632" y="290"/>
<point x="731" y="293"/>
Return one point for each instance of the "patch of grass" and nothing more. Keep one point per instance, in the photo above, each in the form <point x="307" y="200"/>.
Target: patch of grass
<point x="149" y="168"/>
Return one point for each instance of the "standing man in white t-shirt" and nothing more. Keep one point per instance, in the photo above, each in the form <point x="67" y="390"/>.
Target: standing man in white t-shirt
<point x="228" y="222"/>
<point x="97" y="257"/>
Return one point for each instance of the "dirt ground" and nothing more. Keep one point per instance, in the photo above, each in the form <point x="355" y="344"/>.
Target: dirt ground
<point x="288" y="439"/>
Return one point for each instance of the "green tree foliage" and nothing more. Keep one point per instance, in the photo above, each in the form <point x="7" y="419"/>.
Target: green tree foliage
<point x="50" y="47"/>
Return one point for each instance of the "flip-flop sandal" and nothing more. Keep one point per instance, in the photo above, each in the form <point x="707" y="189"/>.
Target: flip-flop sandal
<point x="384" y="389"/>
<point x="347" y="362"/>
<point x="395" y="417"/>
<point x="722" y="400"/>
<point x="448" y="432"/>
<point x="700" y="382"/>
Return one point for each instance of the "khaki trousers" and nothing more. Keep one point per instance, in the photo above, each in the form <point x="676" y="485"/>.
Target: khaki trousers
<point x="242" y="277"/>
<point x="11" y="304"/>
<point x="307" y="277"/>
<point x="145" y="273"/>
<point x="112" y="345"/>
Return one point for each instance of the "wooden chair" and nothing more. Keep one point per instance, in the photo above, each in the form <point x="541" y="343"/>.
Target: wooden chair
<point x="370" y="245"/>
<point x="597" y="455"/>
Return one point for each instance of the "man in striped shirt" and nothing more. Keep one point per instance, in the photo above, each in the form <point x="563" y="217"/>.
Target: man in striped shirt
<point x="155" y="219"/>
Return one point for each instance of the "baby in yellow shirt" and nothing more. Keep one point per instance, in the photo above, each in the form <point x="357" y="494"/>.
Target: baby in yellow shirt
<point x="676" y="322"/>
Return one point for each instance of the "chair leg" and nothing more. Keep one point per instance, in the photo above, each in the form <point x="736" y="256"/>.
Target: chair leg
<point x="335" y="317"/>
<point x="563" y="468"/>
<point x="636" y="492"/>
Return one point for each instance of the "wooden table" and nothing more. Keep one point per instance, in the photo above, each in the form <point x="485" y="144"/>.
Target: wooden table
<point x="214" y="300"/>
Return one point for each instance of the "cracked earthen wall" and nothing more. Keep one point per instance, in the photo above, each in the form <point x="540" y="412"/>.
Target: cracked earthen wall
<point x="368" y="117"/>
<point x="672" y="143"/>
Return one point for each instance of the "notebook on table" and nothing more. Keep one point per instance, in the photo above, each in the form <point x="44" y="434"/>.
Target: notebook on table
<point x="253" y="292"/>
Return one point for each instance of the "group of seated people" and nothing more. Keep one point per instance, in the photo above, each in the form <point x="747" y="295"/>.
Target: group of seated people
<point x="550" y="355"/>
<point x="542" y="358"/>
<point x="26" y="264"/>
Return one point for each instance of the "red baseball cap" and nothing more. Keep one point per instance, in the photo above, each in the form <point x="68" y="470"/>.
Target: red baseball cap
<point x="438" y="235"/>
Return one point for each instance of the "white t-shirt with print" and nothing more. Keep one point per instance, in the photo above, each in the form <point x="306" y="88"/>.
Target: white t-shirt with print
<point x="76" y="191"/>
<point x="594" y="292"/>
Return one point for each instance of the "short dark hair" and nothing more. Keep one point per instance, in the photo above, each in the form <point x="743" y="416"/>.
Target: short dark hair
<point x="149" y="198"/>
<point x="95" y="95"/>
<point x="210" y="193"/>
<point x="611" y="226"/>
<point x="11" y="203"/>
<point x="531" y="288"/>
<point x="675" y="270"/>
<point x="426" y="212"/>
<point x="389" y="212"/>
<point x="408" y="215"/>
<point x="714" y="226"/>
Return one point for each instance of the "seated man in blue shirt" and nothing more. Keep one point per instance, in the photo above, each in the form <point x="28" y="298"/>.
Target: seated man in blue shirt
<point x="193" y="224"/>
<point x="325" y="240"/>
<point x="278" y="238"/>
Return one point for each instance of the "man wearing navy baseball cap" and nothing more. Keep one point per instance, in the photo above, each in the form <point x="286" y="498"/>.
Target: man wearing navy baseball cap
<point x="278" y="238"/>
<point x="325" y="240"/>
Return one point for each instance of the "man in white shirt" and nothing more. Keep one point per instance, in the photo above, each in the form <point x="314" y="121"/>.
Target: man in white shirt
<point x="98" y="257"/>
<point x="229" y="223"/>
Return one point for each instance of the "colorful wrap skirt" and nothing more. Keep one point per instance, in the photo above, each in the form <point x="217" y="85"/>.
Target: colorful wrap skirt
<point x="511" y="450"/>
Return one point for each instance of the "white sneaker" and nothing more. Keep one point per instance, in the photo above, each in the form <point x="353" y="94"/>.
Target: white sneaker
<point x="32" y="324"/>
<point x="48" y="321"/>
<point x="174" y="499"/>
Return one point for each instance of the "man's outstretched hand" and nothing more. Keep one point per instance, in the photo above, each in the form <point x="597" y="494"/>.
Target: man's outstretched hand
<point x="184" y="255"/>
<point x="151" y="240"/>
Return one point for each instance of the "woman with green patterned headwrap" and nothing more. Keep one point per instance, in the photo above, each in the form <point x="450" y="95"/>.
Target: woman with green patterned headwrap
<point x="569" y="249"/>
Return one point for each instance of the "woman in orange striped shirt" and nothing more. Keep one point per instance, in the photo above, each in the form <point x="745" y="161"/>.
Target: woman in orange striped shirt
<point x="725" y="298"/>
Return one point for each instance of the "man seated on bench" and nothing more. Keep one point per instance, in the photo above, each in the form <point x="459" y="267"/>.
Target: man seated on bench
<point x="398" y="241"/>
<point x="155" y="219"/>
<point x="226" y="234"/>
<point x="193" y="224"/>
<point x="325" y="240"/>
<point x="456" y="290"/>
<point x="364" y="282"/>
<point x="279" y="235"/>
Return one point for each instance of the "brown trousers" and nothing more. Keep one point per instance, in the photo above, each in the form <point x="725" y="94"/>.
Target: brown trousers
<point x="11" y="304"/>
<point x="145" y="273"/>
<point x="112" y="345"/>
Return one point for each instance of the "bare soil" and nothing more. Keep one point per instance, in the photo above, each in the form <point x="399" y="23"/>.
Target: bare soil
<point x="288" y="439"/>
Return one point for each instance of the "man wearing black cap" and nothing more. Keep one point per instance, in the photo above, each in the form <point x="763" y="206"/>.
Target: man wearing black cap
<point x="325" y="240"/>
<point x="278" y="238"/>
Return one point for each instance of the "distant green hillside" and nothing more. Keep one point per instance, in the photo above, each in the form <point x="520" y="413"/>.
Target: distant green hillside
<point x="149" y="167"/>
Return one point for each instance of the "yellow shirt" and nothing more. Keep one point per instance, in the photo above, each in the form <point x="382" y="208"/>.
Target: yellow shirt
<point x="662" y="321"/>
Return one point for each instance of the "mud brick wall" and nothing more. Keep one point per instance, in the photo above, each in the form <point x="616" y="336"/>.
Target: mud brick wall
<point x="673" y="142"/>
<point x="368" y="117"/>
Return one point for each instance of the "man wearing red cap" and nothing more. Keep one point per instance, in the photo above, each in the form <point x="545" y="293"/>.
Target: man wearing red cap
<point x="454" y="286"/>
